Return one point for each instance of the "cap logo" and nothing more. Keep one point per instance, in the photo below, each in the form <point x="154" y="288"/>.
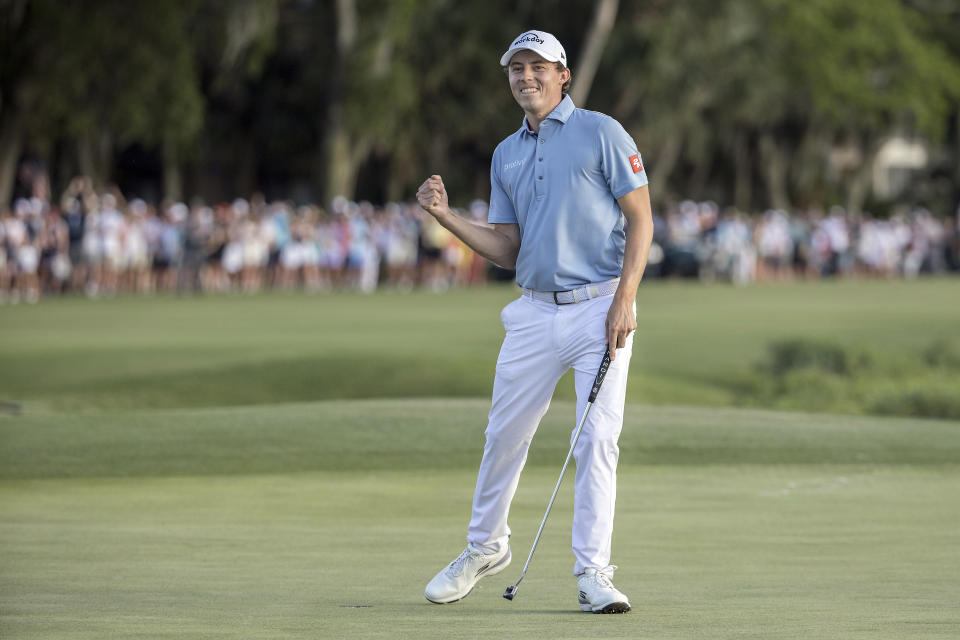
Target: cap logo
<point x="528" y="37"/>
<point x="537" y="41"/>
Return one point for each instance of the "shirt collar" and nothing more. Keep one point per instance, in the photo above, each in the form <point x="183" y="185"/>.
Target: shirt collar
<point x="561" y="112"/>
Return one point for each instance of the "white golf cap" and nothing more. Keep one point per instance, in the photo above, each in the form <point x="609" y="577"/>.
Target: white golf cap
<point x="540" y="42"/>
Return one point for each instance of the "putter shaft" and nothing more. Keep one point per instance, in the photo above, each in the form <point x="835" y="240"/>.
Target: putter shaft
<point x="511" y="591"/>
<point x="601" y="373"/>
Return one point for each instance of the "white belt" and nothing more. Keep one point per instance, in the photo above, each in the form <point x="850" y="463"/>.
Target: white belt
<point x="573" y="296"/>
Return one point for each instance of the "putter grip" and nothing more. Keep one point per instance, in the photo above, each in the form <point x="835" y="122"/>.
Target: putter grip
<point x="604" y="365"/>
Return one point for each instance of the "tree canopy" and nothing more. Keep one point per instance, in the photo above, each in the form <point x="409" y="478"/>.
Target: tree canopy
<point x="748" y="102"/>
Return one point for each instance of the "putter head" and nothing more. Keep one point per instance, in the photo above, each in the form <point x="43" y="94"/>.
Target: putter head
<point x="510" y="592"/>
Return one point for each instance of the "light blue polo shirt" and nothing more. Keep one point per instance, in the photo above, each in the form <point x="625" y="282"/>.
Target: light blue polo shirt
<point x="561" y="187"/>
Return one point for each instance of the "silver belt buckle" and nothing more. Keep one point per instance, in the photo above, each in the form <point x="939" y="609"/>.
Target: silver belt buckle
<point x="557" y="301"/>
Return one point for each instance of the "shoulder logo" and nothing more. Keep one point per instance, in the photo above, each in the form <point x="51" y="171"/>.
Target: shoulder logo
<point x="635" y="163"/>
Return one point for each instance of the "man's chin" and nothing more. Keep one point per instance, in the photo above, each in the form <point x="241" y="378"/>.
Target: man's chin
<point x="527" y="103"/>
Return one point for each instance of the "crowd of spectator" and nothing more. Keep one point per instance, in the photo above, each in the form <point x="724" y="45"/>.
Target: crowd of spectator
<point x="698" y="240"/>
<point x="100" y="244"/>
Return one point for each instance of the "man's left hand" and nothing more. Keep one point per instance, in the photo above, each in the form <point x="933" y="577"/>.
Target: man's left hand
<point x="621" y="321"/>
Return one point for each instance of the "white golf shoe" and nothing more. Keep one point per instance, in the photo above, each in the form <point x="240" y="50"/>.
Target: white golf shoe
<point x="459" y="577"/>
<point x="597" y="593"/>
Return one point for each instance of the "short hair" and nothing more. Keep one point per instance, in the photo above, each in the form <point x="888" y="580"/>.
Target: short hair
<point x="566" y="85"/>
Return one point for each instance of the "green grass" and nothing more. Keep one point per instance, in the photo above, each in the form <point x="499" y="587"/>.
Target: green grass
<point x="695" y="344"/>
<point x="325" y="520"/>
<point x="290" y="466"/>
<point x="407" y="435"/>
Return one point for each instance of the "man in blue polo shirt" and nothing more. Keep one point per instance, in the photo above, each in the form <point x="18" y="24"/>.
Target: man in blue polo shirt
<point x="570" y="211"/>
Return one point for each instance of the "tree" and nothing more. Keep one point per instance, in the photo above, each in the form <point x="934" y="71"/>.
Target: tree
<point x="741" y="101"/>
<point x="758" y="92"/>
<point x="604" y="15"/>
<point x="869" y="70"/>
<point x="372" y="87"/>
<point x="103" y="74"/>
<point x="236" y="45"/>
<point x="22" y="58"/>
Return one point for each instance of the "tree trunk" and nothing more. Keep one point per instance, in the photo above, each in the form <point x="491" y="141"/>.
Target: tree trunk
<point x="859" y="186"/>
<point x="807" y="176"/>
<point x="395" y="184"/>
<point x="105" y="156"/>
<point x="605" y="12"/>
<point x="172" y="179"/>
<point x="742" y="172"/>
<point x="664" y="163"/>
<point x="345" y="156"/>
<point x="339" y="178"/>
<point x="861" y="183"/>
<point x="95" y="156"/>
<point x="774" y="167"/>
<point x="85" y="158"/>
<point x="338" y="159"/>
<point x="697" y="184"/>
<point x="955" y="200"/>
<point x="857" y="189"/>
<point x="11" y="142"/>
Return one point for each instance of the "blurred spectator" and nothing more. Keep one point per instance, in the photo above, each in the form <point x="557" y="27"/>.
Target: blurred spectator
<point x="55" y="266"/>
<point x="101" y="245"/>
<point x="774" y="244"/>
<point x="731" y="254"/>
<point x="21" y="235"/>
<point x="136" y="249"/>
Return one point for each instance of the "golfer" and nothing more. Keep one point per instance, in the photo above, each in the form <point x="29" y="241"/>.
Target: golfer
<point x="570" y="211"/>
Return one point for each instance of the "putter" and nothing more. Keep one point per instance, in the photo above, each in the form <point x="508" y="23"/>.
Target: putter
<point x="511" y="591"/>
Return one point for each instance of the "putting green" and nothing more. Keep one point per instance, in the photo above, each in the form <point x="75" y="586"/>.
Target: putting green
<point x="731" y="524"/>
<point x="762" y="552"/>
<point x="293" y="466"/>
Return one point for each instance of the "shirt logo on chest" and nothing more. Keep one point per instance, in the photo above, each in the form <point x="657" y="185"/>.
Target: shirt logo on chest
<point x="512" y="165"/>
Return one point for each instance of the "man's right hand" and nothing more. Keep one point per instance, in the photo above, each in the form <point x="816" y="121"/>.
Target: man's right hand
<point x="498" y="243"/>
<point x="432" y="196"/>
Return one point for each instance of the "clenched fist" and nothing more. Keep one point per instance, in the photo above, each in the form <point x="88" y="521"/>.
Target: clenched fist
<point x="432" y="196"/>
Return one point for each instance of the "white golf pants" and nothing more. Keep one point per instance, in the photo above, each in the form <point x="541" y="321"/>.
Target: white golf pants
<point x="543" y="341"/>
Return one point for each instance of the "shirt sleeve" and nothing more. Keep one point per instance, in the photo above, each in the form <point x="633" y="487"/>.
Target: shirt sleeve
<point x="501" y="207"/>
<point x="622" y="165"/>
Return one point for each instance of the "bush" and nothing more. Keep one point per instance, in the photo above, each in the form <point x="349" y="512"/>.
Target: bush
<point x="932" y="401"/>
<point x="790" y="355"/>
<point x="812" y="390"/>
<point x="823" y="376"/>
<point x="943" y="354"/>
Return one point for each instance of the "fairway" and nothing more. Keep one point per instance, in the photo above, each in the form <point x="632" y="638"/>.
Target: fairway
<point x="694" y="344"/>
<point x="292" y="466"/>
<point x="731" y="524"/>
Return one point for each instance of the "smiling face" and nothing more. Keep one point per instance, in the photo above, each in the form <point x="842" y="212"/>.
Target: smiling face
<point x="536" y="84"/>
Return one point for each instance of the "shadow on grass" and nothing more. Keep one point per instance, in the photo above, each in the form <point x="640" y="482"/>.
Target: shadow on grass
<point x="281" y="381"/>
